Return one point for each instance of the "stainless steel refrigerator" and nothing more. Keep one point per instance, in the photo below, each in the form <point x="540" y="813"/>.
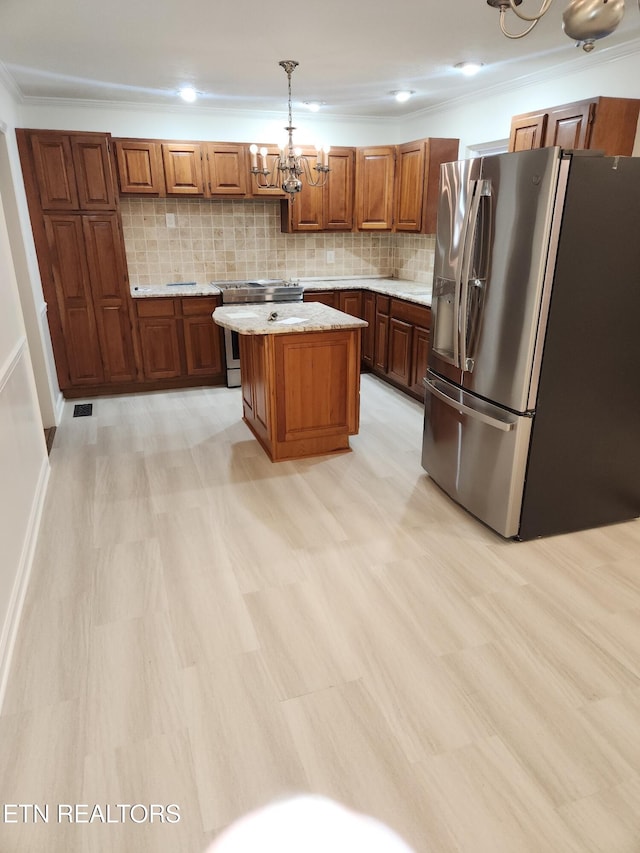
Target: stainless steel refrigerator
<point x="532" y="397"/>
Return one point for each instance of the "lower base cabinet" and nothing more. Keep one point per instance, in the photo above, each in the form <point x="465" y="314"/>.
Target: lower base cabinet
<point x="179" y="340"/>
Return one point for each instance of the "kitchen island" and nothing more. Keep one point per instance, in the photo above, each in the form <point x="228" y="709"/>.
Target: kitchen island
<point x="300" y="365"/>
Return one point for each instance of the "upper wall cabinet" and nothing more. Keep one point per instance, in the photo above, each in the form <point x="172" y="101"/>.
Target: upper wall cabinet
<point x="397" y="186"/>
<point x="183" y="168"/>
<point x="140" y="169"/>
<point x="327" y="208"/>
<point x="73" y="171"/>
<point x="602" y="124"/>
<point x="271" y="157"/>
<point x="226" y="169"/>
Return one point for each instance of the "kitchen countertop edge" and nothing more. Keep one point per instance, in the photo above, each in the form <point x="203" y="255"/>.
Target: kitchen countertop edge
<point x="253" y="319"/>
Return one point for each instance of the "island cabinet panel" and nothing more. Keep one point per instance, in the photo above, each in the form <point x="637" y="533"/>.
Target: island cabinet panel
<point x="226" y="169"/>
<point x="140" y="169"/>
<point x="183" y="168"/>
<point x="375" y="170"/>
<point x="109" y="288"/>
<point x="300" y="391"/>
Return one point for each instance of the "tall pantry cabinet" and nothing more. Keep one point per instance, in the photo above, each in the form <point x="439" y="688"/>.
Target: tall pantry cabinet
<point x="73" y="204"/>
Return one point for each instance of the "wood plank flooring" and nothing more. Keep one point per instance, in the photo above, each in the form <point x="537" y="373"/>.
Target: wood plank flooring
<point x="209" y="629"/>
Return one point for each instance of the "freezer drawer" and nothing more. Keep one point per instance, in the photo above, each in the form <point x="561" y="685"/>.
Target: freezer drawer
<point x="476" y="452"/>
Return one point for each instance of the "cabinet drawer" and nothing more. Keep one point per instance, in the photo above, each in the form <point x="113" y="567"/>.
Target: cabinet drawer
<point x="163" y="307"/>
<point x="417" y="315"/>
<point x="195" y="305"/>
<point x="382" y="304"/>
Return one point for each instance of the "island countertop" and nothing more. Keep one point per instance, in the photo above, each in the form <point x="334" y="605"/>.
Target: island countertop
<point x="253" y="319"/>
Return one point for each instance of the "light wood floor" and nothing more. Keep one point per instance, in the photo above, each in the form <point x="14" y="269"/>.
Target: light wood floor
<point x="209" y="629"/>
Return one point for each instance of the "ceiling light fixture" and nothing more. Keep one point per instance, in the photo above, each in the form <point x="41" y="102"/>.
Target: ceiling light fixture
<point x="290" y="164"/>
<point x="188" y="94"/>
<point x="584" y="21"/>
<point x="469" y="68"/>
<point x="314" y="106"/>
<point x="402" y="95"/>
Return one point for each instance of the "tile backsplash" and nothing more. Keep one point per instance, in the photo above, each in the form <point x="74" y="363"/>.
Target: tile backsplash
<point x="217" y="240"/>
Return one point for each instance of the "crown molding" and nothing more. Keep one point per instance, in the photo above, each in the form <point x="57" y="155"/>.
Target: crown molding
<point x="8" y="81"/>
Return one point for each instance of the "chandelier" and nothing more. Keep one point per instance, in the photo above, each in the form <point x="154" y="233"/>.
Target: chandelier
<point x="583" y="21"/>
<point x="291" y="164"/>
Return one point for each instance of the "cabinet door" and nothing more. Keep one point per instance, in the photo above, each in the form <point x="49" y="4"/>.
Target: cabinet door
<point x="203" y="346"/>
<point x="108" y="281"/>
<point x="305" y="210"/>
<point x="374" y="188"/>
<point x="273" y="152"/>
<point x="409" y="186"/>
<point x="327" y="297"/>
<point x="226" y="169"/>
<point x="527" y="131"/>
<point x="368" y="333"/>
<point x="183" y="168"/>
<point x="140" y="168"/>
<point x="94" y="178"/>
<point x="70" y="280"/>
<point x="160" y="346"/>
<point x="349" y="301"/>
<point x="339" y="191"/>
<point x="399" y="363"/>
<point x="381" y="344"/>
<point x="53" y="166"/>
<point x="569" y="126"/>
<point x="419" y="358"/>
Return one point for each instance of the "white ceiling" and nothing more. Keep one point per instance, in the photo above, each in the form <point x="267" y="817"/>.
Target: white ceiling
<point x="352" y="53"/>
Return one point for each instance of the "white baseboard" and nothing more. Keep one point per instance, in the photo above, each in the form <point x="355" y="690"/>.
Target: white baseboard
<point x="9" y="631"/>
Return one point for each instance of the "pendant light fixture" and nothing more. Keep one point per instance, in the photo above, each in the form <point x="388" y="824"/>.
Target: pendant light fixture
<point x="584" y="21"/>
<point x="291" y="165"/>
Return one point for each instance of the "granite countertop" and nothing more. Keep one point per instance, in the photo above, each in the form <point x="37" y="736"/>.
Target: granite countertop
<point x="140" y="291"/>
<point x="412" y="291"/>
<point x="291" y="317"/>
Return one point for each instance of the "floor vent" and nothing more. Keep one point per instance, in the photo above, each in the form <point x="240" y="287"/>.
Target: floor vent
<point x="83" y="410"/>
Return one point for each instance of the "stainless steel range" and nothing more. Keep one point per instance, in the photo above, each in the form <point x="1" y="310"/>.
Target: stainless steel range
<point x="249" y="292"/>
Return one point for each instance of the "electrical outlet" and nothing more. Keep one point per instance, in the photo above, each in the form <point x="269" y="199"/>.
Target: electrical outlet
<point x="171" y="220"/>
<point x="331" y="257"/>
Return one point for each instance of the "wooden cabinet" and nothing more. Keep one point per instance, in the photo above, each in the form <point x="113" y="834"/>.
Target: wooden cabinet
<point x="368" y="333"/>
<point x="183" y="168"/>
<point x="203" y="345"/>
<point x="159" y="338"/>
<point x="140" y="168"/>
<point x="327" y="208"/>
<point x="397" y="187"/>
<point x="226" y="169"/>
<point x="350" y="302"/>
<point x="381" y="335"/>
<point x="421" y="343"/>
<point x="375" y="170"/>
<point x="300" y="391"/>
<point x="327" y="297"/>
<point x="399" y="356"/>
<point x="255" y="190"/>
<point x="603" y="124"/>
<point x="72" y="171"/>
<point x="178" y="338"/>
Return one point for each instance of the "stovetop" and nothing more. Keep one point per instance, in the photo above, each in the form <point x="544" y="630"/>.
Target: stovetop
<point x="260" y="290"/>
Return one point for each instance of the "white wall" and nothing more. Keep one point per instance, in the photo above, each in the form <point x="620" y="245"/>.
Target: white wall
<point x="24" y="465"/>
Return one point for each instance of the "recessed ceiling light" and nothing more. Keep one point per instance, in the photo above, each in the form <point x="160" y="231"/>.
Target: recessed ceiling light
<point x="314" y="106"/>
<point x="469" y="68"/>
<point x="188" y="94"/>
<point x="402" y="95"/>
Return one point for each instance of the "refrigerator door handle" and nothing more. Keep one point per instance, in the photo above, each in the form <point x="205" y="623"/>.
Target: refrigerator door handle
<point x="482" y="189"/>
<point x="501" y="420"/>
